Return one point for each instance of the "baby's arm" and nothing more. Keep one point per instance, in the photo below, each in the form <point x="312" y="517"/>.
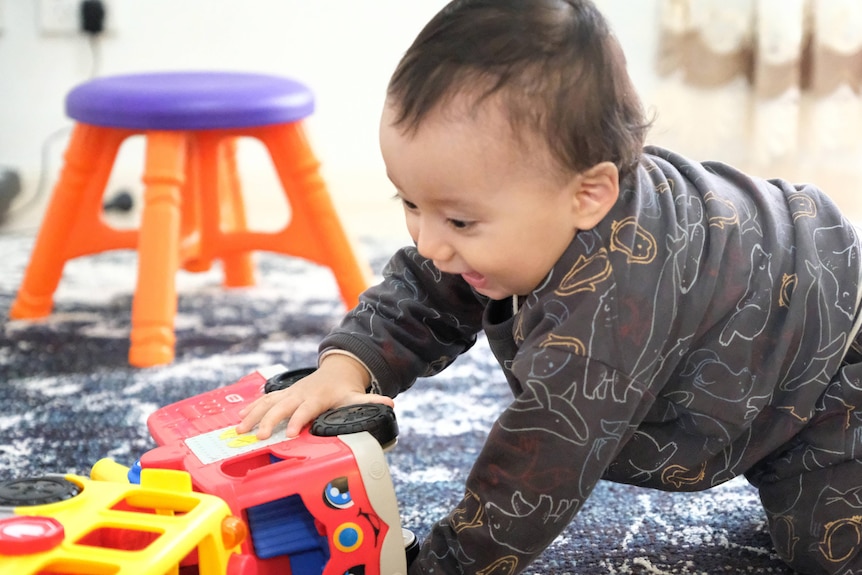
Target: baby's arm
<point x="414" y="323"/>
<point x="340" y="380"/>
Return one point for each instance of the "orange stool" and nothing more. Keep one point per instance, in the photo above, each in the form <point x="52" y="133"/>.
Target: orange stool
<point x="193" y="211"/>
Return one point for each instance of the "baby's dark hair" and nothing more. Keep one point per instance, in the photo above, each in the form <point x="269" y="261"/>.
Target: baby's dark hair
<point x="558" y="68"/>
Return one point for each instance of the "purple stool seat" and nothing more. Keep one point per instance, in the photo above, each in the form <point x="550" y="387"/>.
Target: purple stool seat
<point x="189" y="101"/>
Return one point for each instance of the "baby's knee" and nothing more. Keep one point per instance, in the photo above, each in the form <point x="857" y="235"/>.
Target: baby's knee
<point x="841" y="543"/>
<point x="815" y="520"/>
<point x="833" y="551"/>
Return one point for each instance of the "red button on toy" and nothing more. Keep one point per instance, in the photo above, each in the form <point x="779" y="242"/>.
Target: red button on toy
<point x="26" y="534"/>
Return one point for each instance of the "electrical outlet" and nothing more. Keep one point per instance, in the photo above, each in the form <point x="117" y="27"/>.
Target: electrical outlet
<point x="63" y="17"/>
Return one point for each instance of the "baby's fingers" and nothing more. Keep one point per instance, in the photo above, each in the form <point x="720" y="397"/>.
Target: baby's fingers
<point x="375" y="398"/>
<point x="266" y="412"/>
<point x="308" y="410"/>
<point x="302" y="416"/>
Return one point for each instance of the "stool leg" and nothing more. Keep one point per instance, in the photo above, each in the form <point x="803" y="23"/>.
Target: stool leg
<point x="298" y="170"/>
<point x="155" y="302"/>
<point x="71" y="225"/>
<point x="238" y="267"/>
<point x="190" y="222"/>
<point x="217" y="197"/>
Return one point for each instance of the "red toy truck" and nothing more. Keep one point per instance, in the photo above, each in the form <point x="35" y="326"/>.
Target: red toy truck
<point x="321" y="503"/>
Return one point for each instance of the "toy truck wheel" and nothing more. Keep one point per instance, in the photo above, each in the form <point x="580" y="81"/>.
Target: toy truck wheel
<point x="37" y="491"/>
<point x="411" y="545"/>
<point x="286" y="378"/>
<point x="375" y="418"/>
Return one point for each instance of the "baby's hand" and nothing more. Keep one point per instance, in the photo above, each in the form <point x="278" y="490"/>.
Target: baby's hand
<point x="339" y="381"/>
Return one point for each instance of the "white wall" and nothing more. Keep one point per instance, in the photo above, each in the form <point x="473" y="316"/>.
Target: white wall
<point x="344" y="50"/>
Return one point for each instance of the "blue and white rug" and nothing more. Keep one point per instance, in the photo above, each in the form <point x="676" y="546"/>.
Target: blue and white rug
<point x="68" y="398"/>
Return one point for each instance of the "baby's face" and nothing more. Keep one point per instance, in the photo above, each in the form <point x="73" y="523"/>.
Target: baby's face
<point x="478" y="201"/>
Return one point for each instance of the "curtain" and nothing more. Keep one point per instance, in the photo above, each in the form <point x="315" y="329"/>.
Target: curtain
<point x="762" y="82"/>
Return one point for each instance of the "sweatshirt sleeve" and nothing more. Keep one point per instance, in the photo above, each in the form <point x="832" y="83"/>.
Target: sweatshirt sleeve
<point x="542" y="459"/>
<point x="412" y="324"/>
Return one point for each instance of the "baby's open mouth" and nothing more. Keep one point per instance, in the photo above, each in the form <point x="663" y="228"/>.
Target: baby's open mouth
<point x="475" y="279"/>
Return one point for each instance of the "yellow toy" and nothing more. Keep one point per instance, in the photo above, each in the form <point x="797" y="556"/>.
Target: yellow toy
<point x="104" y="525"/>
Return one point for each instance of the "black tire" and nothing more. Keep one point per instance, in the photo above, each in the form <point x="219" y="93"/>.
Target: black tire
<point x="375" y="418"/>
<point x="286" y="378"/>
<point x="411" y="545"/>
<point x="37" y="491"/>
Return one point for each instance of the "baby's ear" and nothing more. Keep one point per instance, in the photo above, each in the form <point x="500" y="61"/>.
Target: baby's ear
<point x="594" y="193"/>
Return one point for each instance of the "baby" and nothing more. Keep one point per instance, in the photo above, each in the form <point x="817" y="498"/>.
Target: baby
<point x="661" y="322"/>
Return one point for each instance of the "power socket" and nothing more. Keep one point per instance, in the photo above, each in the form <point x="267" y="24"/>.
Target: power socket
<point x="63" y="17"/>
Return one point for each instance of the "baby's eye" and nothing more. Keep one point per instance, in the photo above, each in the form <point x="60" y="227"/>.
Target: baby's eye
<point x="460" y="224"/>
<point x="408" y="204"/>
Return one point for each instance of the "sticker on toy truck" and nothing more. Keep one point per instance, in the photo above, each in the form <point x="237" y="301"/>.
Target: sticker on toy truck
<point x="225" y="443"/>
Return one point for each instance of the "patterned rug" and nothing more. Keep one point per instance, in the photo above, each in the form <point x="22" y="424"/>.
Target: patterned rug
<point x="69" y="398"/>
